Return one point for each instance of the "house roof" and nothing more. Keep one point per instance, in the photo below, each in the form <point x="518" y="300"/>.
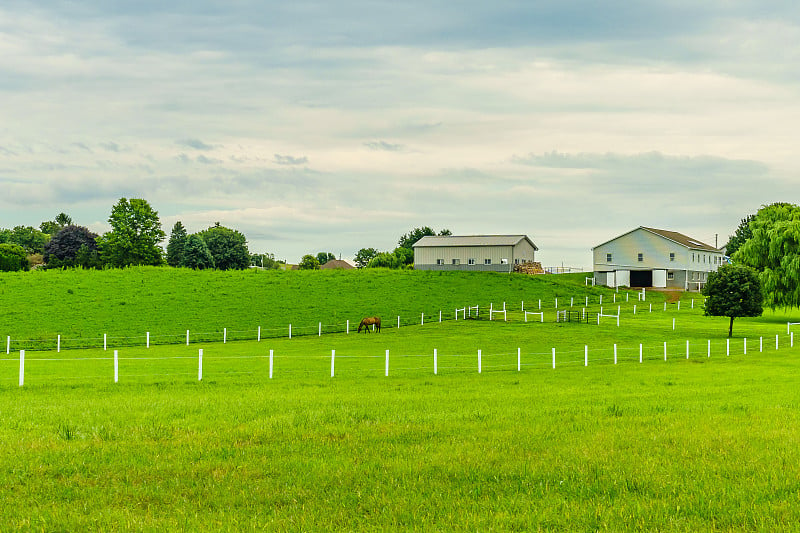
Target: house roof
<point x="472" y="240"/>
<point x="680" y="238"/>
<point x="336" y="263"/>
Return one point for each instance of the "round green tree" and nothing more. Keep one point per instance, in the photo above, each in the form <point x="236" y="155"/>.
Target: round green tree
<point x="228" y="247"/>
<point x="733" y="291"/>
<point x="13" y="257"/>
<point x="196" y="254"/>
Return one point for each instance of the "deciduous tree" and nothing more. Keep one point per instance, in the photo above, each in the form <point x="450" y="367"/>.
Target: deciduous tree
<point x="135" y="234"/>
<point x="774" y="251"/>
<point x="65" y="248"/>
<point x="13" y="258"/>
<point x="308" y="262"/>
<point x="228" y="247"/>
<point x="364" y="256"/>
<point x="733" y="291"/>
<point x="324" y="257"/>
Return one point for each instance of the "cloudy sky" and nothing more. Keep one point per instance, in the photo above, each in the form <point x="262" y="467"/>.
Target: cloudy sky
<point x="338" y="125"/>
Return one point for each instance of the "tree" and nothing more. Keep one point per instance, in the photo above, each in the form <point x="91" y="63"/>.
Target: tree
<point x="196" y="253"/>
<point x="51" y="227"/>
<point x="743" y="232"/>
<point x="774" y="251"/>
<point x="135" y="235"/>
<point x="384" y="260"/>
<point x="405" y="257"/>
<point x="176" y="245"/>
<point x="409" y="239"/>
<point x="364" y="256"/>
<point x="13" y="258"/>
<point x="228" y="247"/>
<point x="324" y="257"/>
<point x="72" y="246"/>
<point x="30" y="238"/>
<point x="733" y="291"/>
<point x="309" y="262"/>
<point x="265" y="261"/>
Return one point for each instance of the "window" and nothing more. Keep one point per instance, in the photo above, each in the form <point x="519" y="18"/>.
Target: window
<point x="640" y="257"/>
<point x="440" y="261"/>
<point x="504" y="261"/>
<point x="487" y="261"/>
<point x="516" y="261"/>
<point x="670" y="276"/>
<point x="608" y="258"/>
<point x="471" y="261"/>
<point x="672" y="256"/>
<point x="456" y="261"/>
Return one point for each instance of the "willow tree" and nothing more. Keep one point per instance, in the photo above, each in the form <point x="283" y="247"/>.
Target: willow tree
<point x="773" y="251"/>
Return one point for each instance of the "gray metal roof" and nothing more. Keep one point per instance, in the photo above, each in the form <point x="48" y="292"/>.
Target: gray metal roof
<point x="472" y="240"/>
<point x="680" y="238"/>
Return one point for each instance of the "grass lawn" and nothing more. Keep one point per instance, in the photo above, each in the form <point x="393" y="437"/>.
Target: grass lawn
<point x="697" y="444"/>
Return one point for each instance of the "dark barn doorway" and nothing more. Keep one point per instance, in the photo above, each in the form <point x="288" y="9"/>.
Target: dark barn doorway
<point x="641" y="278"/>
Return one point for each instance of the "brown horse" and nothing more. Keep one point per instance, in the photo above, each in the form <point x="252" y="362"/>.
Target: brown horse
<point x="366" y="322"/>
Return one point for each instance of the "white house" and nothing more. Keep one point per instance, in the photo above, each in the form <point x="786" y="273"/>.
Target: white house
<point x="495" y="253"/>
<point x="648" y="257"/>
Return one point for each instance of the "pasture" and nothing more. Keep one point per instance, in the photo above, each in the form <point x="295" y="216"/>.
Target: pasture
<point x="704" y="443"/>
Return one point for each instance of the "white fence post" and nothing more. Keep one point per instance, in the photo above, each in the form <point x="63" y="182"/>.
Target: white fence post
<point x="479" y="361"/>
<point x="435" y="363"/>
<point x="116" y="366"/>
<point x="554" y="357"/>
<point x="320" y="330"/>
<point x="348" y="327"/>
<point x="224" y="335"/>
<point x="270" y="364"/>
<point x="761" y="344"/>
<point x="8" y="345"/>
<point x="148" y="339"/>
<point x="519" y="359"/>
<point x="727" y="347"/>
<point x="105" y="341"/>
<point x="21" y="367"/>
<point x="640" y="352"/>
<point x="673" y="324"/>
<point x="259" y="333"/>
<point x="398" y="321"/>
<point x="776" y="342"/>
<point x="187" y="337"/>
<point x="422" y="319"/>
<point x="290" y="331"/>
<point x="745" y="345"/>
<point x="58" y="344"/>
<point x="709" y="348"/>
<point x="687" y="349"/>
<point x="387" y="363"/>
<point x="333" y="361"/>
<point x="585" y="355"/>
<point x="615" y="354"/>
<point x="665" y="351"/>
<point x="200" y="365"/>
<point x="440" y="315"/>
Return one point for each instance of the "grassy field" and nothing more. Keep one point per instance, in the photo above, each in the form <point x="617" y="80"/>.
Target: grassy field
<point x="697" y="444"/>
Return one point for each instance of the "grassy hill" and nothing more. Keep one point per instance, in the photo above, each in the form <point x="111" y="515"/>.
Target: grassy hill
<point x="166" y="302"/>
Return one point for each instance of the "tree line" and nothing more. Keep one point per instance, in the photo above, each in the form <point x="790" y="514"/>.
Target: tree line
<point x="134" y="239"/>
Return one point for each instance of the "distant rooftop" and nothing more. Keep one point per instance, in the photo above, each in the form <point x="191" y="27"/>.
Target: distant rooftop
<point x="472" y="240"/>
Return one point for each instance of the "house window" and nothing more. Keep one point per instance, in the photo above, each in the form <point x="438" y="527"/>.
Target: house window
<point x="504" y="261"/>
<point x="471" y="261"/>
<point x="487" y="261"/>
<point x="516" y="261"/>
<point x="670" y="276"/>
<point x="672" y="256"/>
<point x="608" y="258"/>
<point x="440" y="261"/>
<point x="456" y="261"/>
<point x="640" y="257"/>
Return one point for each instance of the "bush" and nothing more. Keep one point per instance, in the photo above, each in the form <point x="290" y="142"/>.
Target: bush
<point x="13" y="258"/>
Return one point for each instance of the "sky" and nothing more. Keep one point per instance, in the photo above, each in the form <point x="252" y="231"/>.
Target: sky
<point x="338" y="125"/>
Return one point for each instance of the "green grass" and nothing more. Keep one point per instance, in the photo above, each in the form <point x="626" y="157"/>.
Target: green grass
<point x="698" y="444"/>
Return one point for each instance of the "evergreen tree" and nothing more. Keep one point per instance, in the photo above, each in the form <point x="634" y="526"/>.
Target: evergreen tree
<point x="196" y="254"/>
<point x="176" y="245"/>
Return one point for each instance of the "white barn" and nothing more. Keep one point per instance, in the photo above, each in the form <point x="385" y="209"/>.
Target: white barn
<point x="491" y="253"/>
<point x="649" y="257"/>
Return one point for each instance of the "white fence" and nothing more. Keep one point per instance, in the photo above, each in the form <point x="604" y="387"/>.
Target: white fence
<point x="454" y="362"/>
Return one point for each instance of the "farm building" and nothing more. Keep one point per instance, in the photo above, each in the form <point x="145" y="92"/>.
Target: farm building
<point x="648" y="257"/>
<point x="336" y="264"/>
<point x="491" y="253"/>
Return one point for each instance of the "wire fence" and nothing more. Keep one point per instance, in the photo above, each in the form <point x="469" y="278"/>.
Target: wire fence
<point x="45" y="368"/>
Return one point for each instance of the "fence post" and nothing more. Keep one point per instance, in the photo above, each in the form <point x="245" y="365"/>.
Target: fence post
<point x="105" y="341"/>
<point x="640" y="352"/>
<point x="556" y="303"/>
<point x="540" y="304"/>
<point x="398" y="321"/>
<point x="776" y="342"/>
<point x="224" y="335"/>
<point x="519" y="359"/>
<point x="679" y="305"/>
<point x="290" y="331"/>
<point x="148" y="339"/>
<point x="387" y="363"/>
<point x="585" y="355"/>
<point x="479" y="361"/>
<point x="8" y="345"/>
<point x="348" y="327"/>
<point x="187" y="337"/>
<point x="21" y="368"/>
<point x="761" y="344"/>
<point x="687" y="349"/>
<point x="435" y="363"/>
<point x="571" y="299"/>
<point x="665" y="351"/>
<point x="709" y="348"/>
<point x="673" y="324"/>
<point x="651" y="308"/>
<point x="422" y="319"/>
<point x="587" y="302"/>
<point x="728" y="347"/>
<point x="615" y="353"/>
<point x="440" y="315"/>
<point x="200" y="365"/>
<point x="634" y="309"/>
<point x="333" y="361"/>
<point x="320" y="330"/>
<point x="259" y="333"/>
<point x="554" y="358"/>
<point x="745" y="346"/>
<point x="116" y="366"/>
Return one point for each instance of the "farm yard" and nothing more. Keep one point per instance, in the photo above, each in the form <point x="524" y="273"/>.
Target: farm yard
<point x="459" y="424"/>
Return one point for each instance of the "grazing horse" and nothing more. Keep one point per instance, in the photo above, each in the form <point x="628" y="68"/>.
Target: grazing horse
<point x="370" y="321"/>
